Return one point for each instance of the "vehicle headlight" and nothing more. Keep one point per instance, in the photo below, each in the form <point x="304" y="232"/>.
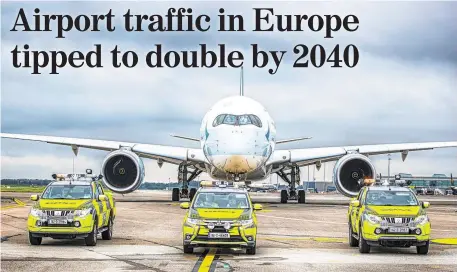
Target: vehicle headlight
<point x="37" y="212"/>
<point x="420" y="220"/>
<point x="247" y="223"/>
<point x="373" y="219"/>
<point x="192" y="221"/>
<point x="83" y="212"/>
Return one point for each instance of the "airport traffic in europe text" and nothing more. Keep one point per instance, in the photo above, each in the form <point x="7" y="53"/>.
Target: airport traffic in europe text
<point x="211" y="54"/>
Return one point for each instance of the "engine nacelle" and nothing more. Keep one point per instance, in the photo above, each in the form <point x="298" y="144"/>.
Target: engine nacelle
<point x="123" y="171"/>
<point x="351" y="173"/>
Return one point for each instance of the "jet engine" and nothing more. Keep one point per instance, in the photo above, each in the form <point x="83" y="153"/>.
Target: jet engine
<point x="123" y="171"/>
<point x="352" y="172"/>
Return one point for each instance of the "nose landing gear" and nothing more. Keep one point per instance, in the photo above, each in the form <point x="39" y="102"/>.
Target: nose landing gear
<point x="291" y="193"/>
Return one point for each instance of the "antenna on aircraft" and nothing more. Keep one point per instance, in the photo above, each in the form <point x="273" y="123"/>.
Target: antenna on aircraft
<point x="241" y="82"/>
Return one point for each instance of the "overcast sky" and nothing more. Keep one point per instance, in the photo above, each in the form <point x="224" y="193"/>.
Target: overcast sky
<point x="404" y="88"/>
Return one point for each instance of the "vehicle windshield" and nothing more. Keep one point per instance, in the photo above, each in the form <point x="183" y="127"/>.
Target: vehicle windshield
<point x="68" y="192"/>
<point x="391" y="198"/>
<point x="221" y="200"/>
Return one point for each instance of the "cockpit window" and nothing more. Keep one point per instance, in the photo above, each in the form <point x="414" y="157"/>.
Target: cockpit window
<point x="219" y="119"/>
<point x="237" y="120"/>
<point x="230" y="119"/>
<point x="244" y="120"/>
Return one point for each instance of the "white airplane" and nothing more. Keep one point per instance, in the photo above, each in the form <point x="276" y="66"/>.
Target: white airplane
<point x="238" y="143"/>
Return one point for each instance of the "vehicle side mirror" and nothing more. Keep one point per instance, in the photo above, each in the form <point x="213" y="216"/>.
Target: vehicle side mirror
<point x="184" y="205"/>
<point x="102" y="197"/>
<point x="425" y="205"/>
<point x="34" y="197"/>
<point x="355" y="203"/>
<point x="257" y="207"/>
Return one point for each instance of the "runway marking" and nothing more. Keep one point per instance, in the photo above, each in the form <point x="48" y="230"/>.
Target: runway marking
<point x="207" y="261"/>
<point x="17" y="204"/>
<point x="445" y="241"/>
<point x="300" y="219"/>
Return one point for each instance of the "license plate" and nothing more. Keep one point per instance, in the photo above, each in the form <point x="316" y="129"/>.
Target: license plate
<point x="399" y="230"/>
<point x="219" y="235"/>
<point x="57" y="221"/>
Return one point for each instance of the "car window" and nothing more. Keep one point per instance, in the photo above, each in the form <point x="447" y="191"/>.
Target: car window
<point x="221" y="200"/>
<point x="391" y="198"/>
<point x="67" y="192"/>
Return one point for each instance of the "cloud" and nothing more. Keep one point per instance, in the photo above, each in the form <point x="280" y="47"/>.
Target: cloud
<point x="403" y="89"/>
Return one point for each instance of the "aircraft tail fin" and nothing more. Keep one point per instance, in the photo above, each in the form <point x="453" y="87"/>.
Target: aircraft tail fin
<point x="241" y="82"/>
<point x="292" y="140"/>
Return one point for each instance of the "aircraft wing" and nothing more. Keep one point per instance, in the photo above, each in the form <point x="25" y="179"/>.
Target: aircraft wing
<point x="308" y="156"/>
<point x="170" y="154"/>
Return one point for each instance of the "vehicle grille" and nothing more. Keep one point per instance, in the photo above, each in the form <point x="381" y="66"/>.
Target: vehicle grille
<point x="55" y="213"/>
<point x="231" y="239"/>
<point x="394" y="220"/>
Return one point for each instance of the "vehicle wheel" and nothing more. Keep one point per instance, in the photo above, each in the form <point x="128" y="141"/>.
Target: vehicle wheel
<point x="192" y="193"/>
<point x="250" y="250"/>
<point x="188" y="249"/>
<point x="353" y="242"/>
<point x="91" y="239"/>
<point x="108" y="234"/>
<point x="283" y="196"/>
<point x="36" y="241"/>
<point x="301" y="196"/>
<point x="175" y="194"/>
<point x="423" y="250"/>
<point x="363" y="246"/>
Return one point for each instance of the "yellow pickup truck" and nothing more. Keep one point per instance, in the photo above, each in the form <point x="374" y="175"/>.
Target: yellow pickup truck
<point x="70" y="209"/>
<point x="388" y="216"/>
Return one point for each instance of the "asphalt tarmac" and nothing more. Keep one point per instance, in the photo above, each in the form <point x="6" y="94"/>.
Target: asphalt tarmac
<point x="291" y="237"/>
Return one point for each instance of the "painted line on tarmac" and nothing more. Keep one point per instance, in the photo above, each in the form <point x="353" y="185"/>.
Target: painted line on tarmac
<point x="207" y="264"/>
<point x="445" y="241"/>
<point x="299" y="219"/>
<point x="18" y="204"/>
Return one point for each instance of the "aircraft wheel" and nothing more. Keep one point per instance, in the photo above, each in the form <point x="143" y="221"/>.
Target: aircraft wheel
<point x="175" y="194"/>
<point x="301" y="196"/>
<point x="192" y="193"/>
<point x="283" y="196"/>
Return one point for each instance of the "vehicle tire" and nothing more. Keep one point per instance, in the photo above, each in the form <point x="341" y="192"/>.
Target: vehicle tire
<point x="108" y="234"/>
<point x="301" y="196"/>
<point x="36" y="241"/>
<point x="250" y="250"/>
<point x="188" y="249"/>
<point x="363" y="246"/>
<point x="175" y="194"/>
<point x="91" y="239"/>
<point x="283" y="196"/>
<point x="353" y="242"/>
<point x="423" y="250"/>
<point x="192" y="193"/>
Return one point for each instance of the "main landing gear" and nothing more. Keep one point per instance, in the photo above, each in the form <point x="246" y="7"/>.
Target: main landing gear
<point x="291" y="193"/>
<point x="186" y="173"/>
